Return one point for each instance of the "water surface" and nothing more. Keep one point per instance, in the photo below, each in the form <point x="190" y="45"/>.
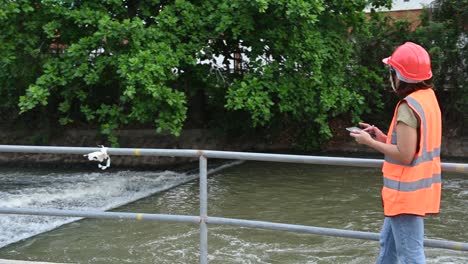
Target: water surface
<point x="324" y="196"/>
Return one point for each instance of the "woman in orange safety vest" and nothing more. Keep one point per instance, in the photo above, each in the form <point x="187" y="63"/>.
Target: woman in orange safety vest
<point x="411" y="170"/>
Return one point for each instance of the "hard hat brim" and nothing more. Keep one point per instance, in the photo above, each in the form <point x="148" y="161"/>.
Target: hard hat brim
<point x="386" y="60"/>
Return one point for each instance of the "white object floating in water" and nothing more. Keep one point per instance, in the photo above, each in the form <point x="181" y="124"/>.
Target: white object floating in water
<point x="100" y="156"/>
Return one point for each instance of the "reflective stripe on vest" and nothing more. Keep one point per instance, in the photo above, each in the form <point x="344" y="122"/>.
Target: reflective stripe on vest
<point x="412" y="186"/>
<point x="415" y="188"/>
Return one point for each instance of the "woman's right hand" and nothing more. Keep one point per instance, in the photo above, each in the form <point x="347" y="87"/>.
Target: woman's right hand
<point x="373" y="130"/>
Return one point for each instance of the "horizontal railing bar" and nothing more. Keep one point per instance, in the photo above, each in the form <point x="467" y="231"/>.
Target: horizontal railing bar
<point x="455" y="167"/>
<point x="294" y="228"/>
<point x="433" y="243"/>
<point x="453" y="245"/>
<point x="459" y="246"/>
<point x="101" y="214"/>
<point x="320" y="160"/>
<point x="110" y="151"/>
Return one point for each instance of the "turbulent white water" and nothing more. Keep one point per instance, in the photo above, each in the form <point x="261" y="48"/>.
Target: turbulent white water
<point x="75" y="191"/>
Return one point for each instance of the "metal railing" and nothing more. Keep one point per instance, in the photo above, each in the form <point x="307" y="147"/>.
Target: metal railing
<point x="203" y="219"/>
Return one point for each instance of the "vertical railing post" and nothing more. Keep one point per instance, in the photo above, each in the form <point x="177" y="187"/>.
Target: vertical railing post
<point x="203" y="211"/>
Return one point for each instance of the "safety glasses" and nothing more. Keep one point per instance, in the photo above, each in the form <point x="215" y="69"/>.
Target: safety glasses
<point x="392" y="73"/>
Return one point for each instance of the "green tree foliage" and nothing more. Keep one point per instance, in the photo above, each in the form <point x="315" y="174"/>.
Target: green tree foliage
<point x="373" y="41"/>
<point x="443" y="33"/>
<point x="115" y="62"/>
<point x="20" y="51"/>
<point x="297" y="64"/>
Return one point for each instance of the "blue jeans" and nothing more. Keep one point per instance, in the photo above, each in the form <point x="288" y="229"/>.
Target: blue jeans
<point x="402" y="238"/>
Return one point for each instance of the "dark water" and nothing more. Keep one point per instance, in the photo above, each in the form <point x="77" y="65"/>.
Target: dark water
<point x="324" y="196"/>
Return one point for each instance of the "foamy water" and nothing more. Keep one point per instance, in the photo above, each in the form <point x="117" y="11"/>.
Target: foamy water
<point x="75" y="191"/>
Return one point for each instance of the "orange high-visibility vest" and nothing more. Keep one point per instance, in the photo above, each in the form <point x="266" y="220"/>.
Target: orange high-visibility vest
<point x="415" y="188"/>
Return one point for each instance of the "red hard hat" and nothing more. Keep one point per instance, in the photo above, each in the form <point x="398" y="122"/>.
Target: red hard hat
<point x="411" y="61"/>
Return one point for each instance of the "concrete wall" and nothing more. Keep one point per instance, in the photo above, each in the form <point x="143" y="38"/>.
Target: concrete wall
<point x="141" y="138"/>
<point x="456" y="148"/>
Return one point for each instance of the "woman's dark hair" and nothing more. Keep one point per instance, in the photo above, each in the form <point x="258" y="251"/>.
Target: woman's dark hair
<point x="404" y="88"/>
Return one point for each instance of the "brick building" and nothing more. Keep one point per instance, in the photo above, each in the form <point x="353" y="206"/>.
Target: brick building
<point x="409" y="10"/>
